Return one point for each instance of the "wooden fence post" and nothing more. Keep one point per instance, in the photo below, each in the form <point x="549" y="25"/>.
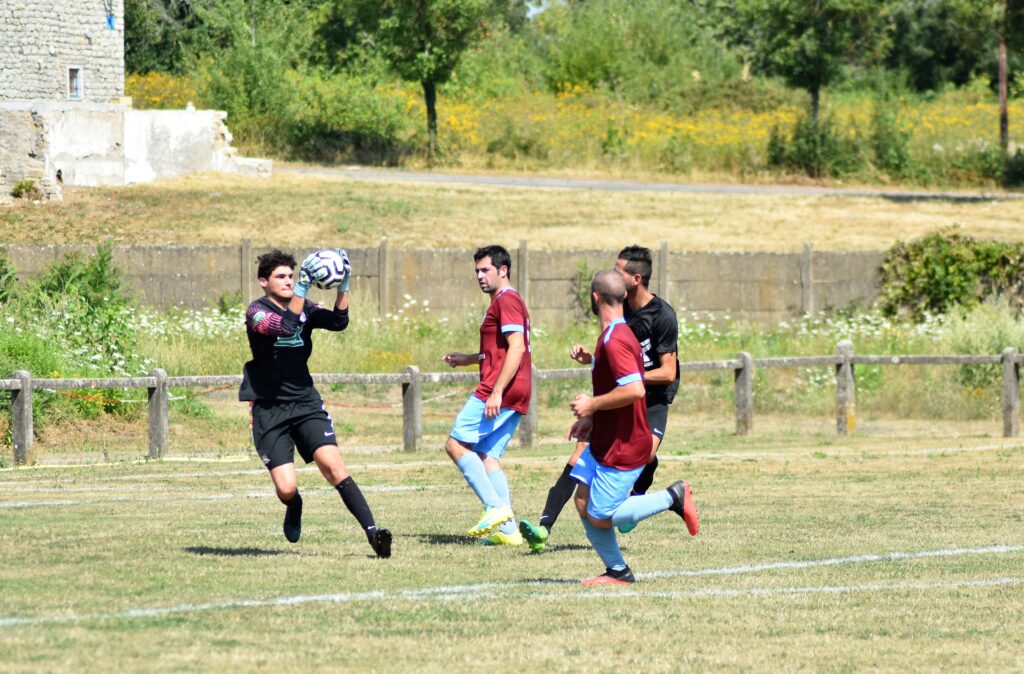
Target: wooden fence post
<point x="21" y="418"/>
<point x="159" y="404"/>
<point x="1011" y="393"/>
<point x="529" y="427"/>
<point x="412" y="405"/>
<point x="524" y="272"/>
<point x="382" y="277"/>
<point x="743" y="394"/>
<point x="846" y="416"/>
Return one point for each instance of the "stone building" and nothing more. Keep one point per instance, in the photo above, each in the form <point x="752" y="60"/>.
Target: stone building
<point x="62" y="50"/>
<point x="64" y="118"/>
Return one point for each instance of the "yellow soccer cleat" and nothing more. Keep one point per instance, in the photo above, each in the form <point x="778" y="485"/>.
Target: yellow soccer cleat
<point x="491" y="520"/>
<point x="500" y="538"/>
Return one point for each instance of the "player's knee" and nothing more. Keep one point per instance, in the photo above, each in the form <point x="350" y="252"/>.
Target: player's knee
<point x="581" y="506"/>
<point x="286" y="493"/>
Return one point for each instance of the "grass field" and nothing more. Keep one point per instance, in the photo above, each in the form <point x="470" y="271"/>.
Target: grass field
<point x="900" y="549"/>
<point x="288" y="209"/>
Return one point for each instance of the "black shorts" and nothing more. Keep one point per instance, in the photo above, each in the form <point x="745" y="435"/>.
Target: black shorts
<point x="279" y="426"/>
<point x="657" y="419"/>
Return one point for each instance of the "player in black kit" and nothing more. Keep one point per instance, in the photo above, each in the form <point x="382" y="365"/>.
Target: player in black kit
<point x="654" y="323"/>
<point x="287" y="411"/>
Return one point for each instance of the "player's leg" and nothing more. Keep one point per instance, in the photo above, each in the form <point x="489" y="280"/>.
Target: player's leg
<point x="599" y="492"/>
<point x="677" y="498"/>
<point x="332" y="466"/>
<point x="310" y="433"/>
<point x="465" y="433"/>
<point x="657" y="418"/>
<point x="274" y="446"/>
<point x="490" y="448"/>
<point x="559" y="494"/>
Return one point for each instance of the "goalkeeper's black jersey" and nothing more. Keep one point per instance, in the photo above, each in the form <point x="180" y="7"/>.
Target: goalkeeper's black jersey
<point x="281" y="343"/>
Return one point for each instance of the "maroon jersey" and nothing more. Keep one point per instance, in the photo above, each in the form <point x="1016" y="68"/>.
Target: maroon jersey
<point x="621" y="437"/>
<point x="506" y="314"/>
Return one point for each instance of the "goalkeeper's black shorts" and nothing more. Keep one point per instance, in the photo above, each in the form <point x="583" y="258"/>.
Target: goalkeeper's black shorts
<point x="657" y="418"/>
<point x="281" y="426"/>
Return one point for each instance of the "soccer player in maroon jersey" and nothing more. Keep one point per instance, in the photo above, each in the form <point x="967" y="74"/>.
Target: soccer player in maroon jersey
<point x="487" y="421"/>
<point x="614" y="420"/>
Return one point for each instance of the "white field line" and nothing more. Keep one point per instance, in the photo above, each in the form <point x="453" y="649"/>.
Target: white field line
<point x="538" y="461"/>
<point x="479" y="591"/>
<point x="9" y="505"/>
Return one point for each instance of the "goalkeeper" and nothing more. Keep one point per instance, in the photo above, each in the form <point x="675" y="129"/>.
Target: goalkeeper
<point x="286" y="411"/>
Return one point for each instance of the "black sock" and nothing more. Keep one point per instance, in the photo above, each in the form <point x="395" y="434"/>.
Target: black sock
<point x="646" y="479"/>
<point x="558" y="496"/>
<point x="356" y="504"/>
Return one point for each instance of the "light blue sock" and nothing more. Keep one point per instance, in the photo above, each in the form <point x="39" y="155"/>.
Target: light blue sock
<point x="473" y="470"/>
<point x="637" y="508"/>
<point x="606" y="545"/>
<point x="500" y="483"/>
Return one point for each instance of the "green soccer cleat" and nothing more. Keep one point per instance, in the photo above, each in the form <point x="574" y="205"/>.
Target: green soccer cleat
<point x="491" y="520"/>
<point x="536" y="537"/>
<point x="627" y="527"/>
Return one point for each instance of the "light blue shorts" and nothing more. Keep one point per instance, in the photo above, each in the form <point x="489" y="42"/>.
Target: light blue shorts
<point x="487" y="436"/>
<point x="609" y="487"/>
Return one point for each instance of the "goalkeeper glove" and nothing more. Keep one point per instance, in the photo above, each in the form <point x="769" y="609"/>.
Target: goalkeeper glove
<point x="347" y="266"/>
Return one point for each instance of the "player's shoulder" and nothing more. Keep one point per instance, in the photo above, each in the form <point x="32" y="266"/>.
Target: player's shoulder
<point x="509" y="299"/>
<point x="261" y="305"/>
<point x="663" y="308"/>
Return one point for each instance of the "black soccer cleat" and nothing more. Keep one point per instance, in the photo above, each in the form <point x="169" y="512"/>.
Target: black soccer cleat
<point x="611" y="577"/>
<point x="293" y="519"/>
<point x="380" y="541"/>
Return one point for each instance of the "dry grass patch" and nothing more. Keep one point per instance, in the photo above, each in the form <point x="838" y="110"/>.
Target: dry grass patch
<point x="290" y="209"/>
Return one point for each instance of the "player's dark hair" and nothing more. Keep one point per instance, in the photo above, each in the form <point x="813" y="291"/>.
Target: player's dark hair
<point x="638" y="261"/>
<point x="268" y="262"/>
<point x="499" y="257"/>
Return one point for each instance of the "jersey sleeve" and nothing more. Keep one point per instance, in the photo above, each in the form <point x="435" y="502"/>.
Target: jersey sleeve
<point x="666" y="333"/>
<point x="334" y="320"/>
<point x="623" y="362"/>
<point x="511" y="316"/>
<point x="263" y="321"/>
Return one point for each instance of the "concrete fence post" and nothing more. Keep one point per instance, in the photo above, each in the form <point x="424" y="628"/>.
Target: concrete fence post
<point x="1011" y="393"/>
<point x="663" y="271"/>
<point x="743" y="394"/>
<point x="159" y="409"/>
<point x="412" y="406"/>
<point x="22" y="431"/>
<point x="528" y="429"/>
<point x="524" y="272"/>
<point x="382" y="277"/>
<point x="807" y="280"/>
<point x="846" y="416"/>
<point x="245" y="265"/>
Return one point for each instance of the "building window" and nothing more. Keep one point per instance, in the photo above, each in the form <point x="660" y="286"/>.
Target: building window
<point x="75" y="84"/>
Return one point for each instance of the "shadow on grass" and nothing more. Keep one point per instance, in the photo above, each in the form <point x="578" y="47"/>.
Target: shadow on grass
<point x="233" y="552"/>
<point x="456" y="539"/>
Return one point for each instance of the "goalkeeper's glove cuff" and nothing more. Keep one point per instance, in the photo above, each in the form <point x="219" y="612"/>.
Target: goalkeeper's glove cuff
<point x="301" y="289"/>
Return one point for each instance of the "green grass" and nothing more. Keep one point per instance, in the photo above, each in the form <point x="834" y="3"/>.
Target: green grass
<point x="153" y="535"/>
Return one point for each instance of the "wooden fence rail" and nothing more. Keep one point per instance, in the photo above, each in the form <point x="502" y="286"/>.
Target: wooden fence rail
<point x="412" y="381"/>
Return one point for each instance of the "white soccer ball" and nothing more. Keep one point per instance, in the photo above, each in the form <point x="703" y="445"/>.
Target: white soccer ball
<point x="337" y="268"/>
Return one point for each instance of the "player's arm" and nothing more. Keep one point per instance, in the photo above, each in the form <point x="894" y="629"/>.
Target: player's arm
<point x="262" y="321"/>
<point x="455" y="358"/>
<point x="665" y="373"/>
<point x="620" y="396"/>
<point x="513" y="359"/>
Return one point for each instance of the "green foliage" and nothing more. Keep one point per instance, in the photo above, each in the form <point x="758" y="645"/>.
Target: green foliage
<point x="985" y="329"/>
<point x="8" y="278"/>
<point x="890" y="139"/>
<point x="25" y="189"/>
<point x="816" y="148"/>
<point x="581" y="292"/>
<point x="947" y="269"/>
<point x="515" y="142"/>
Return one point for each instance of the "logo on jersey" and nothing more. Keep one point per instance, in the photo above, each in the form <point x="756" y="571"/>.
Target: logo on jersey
<point x="645" y="350"/>
<point x="293" y="341"/>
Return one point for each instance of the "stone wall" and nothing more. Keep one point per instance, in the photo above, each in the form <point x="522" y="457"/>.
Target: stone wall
<point x="41" y="39"/>
<point x="757" y="287"/>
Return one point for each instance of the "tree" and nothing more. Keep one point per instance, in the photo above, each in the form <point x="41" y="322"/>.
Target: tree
<point x="423" y="41"/>
<point x="981" y="20"/>
<point x="156" y="34"/>
<point x="810" y="42"/>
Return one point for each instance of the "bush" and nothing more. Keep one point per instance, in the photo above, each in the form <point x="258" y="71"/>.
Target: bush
<point x="26" y="189"/>
<point x="947" y="269"/>
<point x="816" y="147"/>
<point x="160" y="91"/>
<point x="986" y="329"/>
<point x="890" y="139"/>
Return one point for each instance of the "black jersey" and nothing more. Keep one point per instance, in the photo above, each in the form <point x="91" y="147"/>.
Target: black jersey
<point x="281" y="343"/>
<point x="657" y="330"/>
